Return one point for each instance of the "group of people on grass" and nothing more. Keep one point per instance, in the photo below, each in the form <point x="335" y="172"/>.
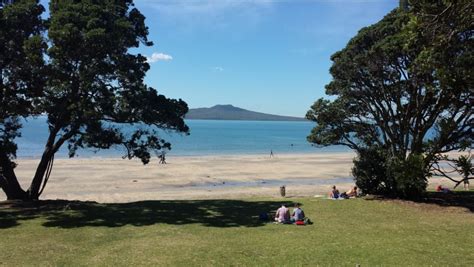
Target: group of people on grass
<point x="335" y="194"/>
<point x="298" y="217"/>
<point x="282" y="215"/>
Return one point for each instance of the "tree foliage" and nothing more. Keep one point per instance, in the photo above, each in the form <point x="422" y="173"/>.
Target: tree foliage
<point x="403" y="86"/>
<point x="76" y="68"/>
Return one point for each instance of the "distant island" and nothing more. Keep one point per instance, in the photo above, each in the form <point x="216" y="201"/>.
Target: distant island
<point x="229" y="112"/>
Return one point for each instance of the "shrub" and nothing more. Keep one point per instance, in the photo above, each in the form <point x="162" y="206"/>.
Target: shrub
<point x="410" y="176"/>
<point x="376" y="172"/>
<point x="370" y="171"/>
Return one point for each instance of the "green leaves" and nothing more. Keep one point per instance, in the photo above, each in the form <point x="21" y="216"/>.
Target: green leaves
<point x="21" y="63"/>
<point x="76" y="68"/>
<point x="95" y="78"/>
<point x="404" y="84"/>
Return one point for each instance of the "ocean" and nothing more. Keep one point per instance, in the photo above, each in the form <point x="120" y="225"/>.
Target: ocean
<point x="208" y="137"/>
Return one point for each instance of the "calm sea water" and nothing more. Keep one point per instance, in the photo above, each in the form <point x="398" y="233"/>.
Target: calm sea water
<point x="208" y="137"/>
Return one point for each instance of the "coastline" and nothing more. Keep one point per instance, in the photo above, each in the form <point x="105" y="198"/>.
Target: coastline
<point x="105" y="179"/>
<point x="114" y="180"/>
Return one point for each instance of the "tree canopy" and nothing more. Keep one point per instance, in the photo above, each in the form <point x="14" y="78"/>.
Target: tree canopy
<point x="403" y="90"/>
<point x="76" y="68"/>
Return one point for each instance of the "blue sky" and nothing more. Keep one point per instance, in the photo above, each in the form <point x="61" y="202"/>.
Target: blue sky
<point x="263" y="55"/>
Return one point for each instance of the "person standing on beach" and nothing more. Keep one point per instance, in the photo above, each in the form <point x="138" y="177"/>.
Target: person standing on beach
<point x="271" y="153"/>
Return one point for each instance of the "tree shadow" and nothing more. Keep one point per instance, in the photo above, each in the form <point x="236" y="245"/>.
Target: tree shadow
<point x="461" y="199"/>
<point x="72" y="214"/>
<point x="464" y="199"/>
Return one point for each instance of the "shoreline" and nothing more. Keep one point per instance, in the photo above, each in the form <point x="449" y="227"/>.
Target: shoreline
<point x="203" y="155"/>
<point x="190" y="177"/>
<point x="115" y="180"/>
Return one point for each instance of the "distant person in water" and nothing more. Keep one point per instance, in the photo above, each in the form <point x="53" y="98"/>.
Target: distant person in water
<point x="271" y="153"/>
<point x="282" y="215"/>
<point x="298" y="214"/>
<point x="334" y="192"/>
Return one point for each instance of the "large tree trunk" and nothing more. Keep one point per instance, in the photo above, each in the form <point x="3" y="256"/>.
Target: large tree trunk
<point x="34" y="190"/>
<point x="14" y="192"/>
<point x="8" y="181"/>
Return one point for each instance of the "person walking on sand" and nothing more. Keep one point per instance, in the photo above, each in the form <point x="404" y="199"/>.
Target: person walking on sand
<point x="163" y="157"/>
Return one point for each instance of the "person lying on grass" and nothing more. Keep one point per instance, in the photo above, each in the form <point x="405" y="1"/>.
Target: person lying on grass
<point x="443" y="189"/>
<point x="350" y="193"/>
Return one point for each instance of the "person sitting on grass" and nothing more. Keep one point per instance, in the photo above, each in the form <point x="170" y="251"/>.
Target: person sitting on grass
<point x="440" y="188"/>
<point x="298" y="214"/>
<point x="282" y="215"/>
<point x="334" y="193"/>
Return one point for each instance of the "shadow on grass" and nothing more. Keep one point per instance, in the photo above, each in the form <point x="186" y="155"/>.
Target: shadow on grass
<point x="462" y="199"/>
<point x="67" y="214"/>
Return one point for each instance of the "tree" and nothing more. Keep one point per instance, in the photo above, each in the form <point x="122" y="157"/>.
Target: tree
<point x="396" y="98"/>
<point x="82" y="76"/>
<point x="448" y="30"/>
<point x="462" y="166"/>
<point x="21" y="66"/>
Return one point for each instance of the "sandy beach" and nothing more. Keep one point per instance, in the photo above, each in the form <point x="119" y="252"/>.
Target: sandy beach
<point x="122" y="180"/>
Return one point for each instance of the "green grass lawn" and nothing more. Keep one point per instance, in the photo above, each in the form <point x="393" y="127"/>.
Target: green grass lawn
<point x="228" y="232"/>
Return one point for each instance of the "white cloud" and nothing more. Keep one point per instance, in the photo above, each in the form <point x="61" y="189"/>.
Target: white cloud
<point x="155" y="57"/>
<point x="217" y="69"/>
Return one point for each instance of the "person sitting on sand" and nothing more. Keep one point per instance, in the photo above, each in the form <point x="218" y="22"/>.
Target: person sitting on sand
<point x="298" y="214"/>
<point x="283" y="214"/>
<point x="334" y="192"/>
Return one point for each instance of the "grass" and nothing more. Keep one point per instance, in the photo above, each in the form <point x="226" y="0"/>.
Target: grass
<point x="228" y="232"/>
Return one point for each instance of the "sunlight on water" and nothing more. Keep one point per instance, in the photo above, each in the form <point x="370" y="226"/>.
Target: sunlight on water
<point x="207" y="137"/>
